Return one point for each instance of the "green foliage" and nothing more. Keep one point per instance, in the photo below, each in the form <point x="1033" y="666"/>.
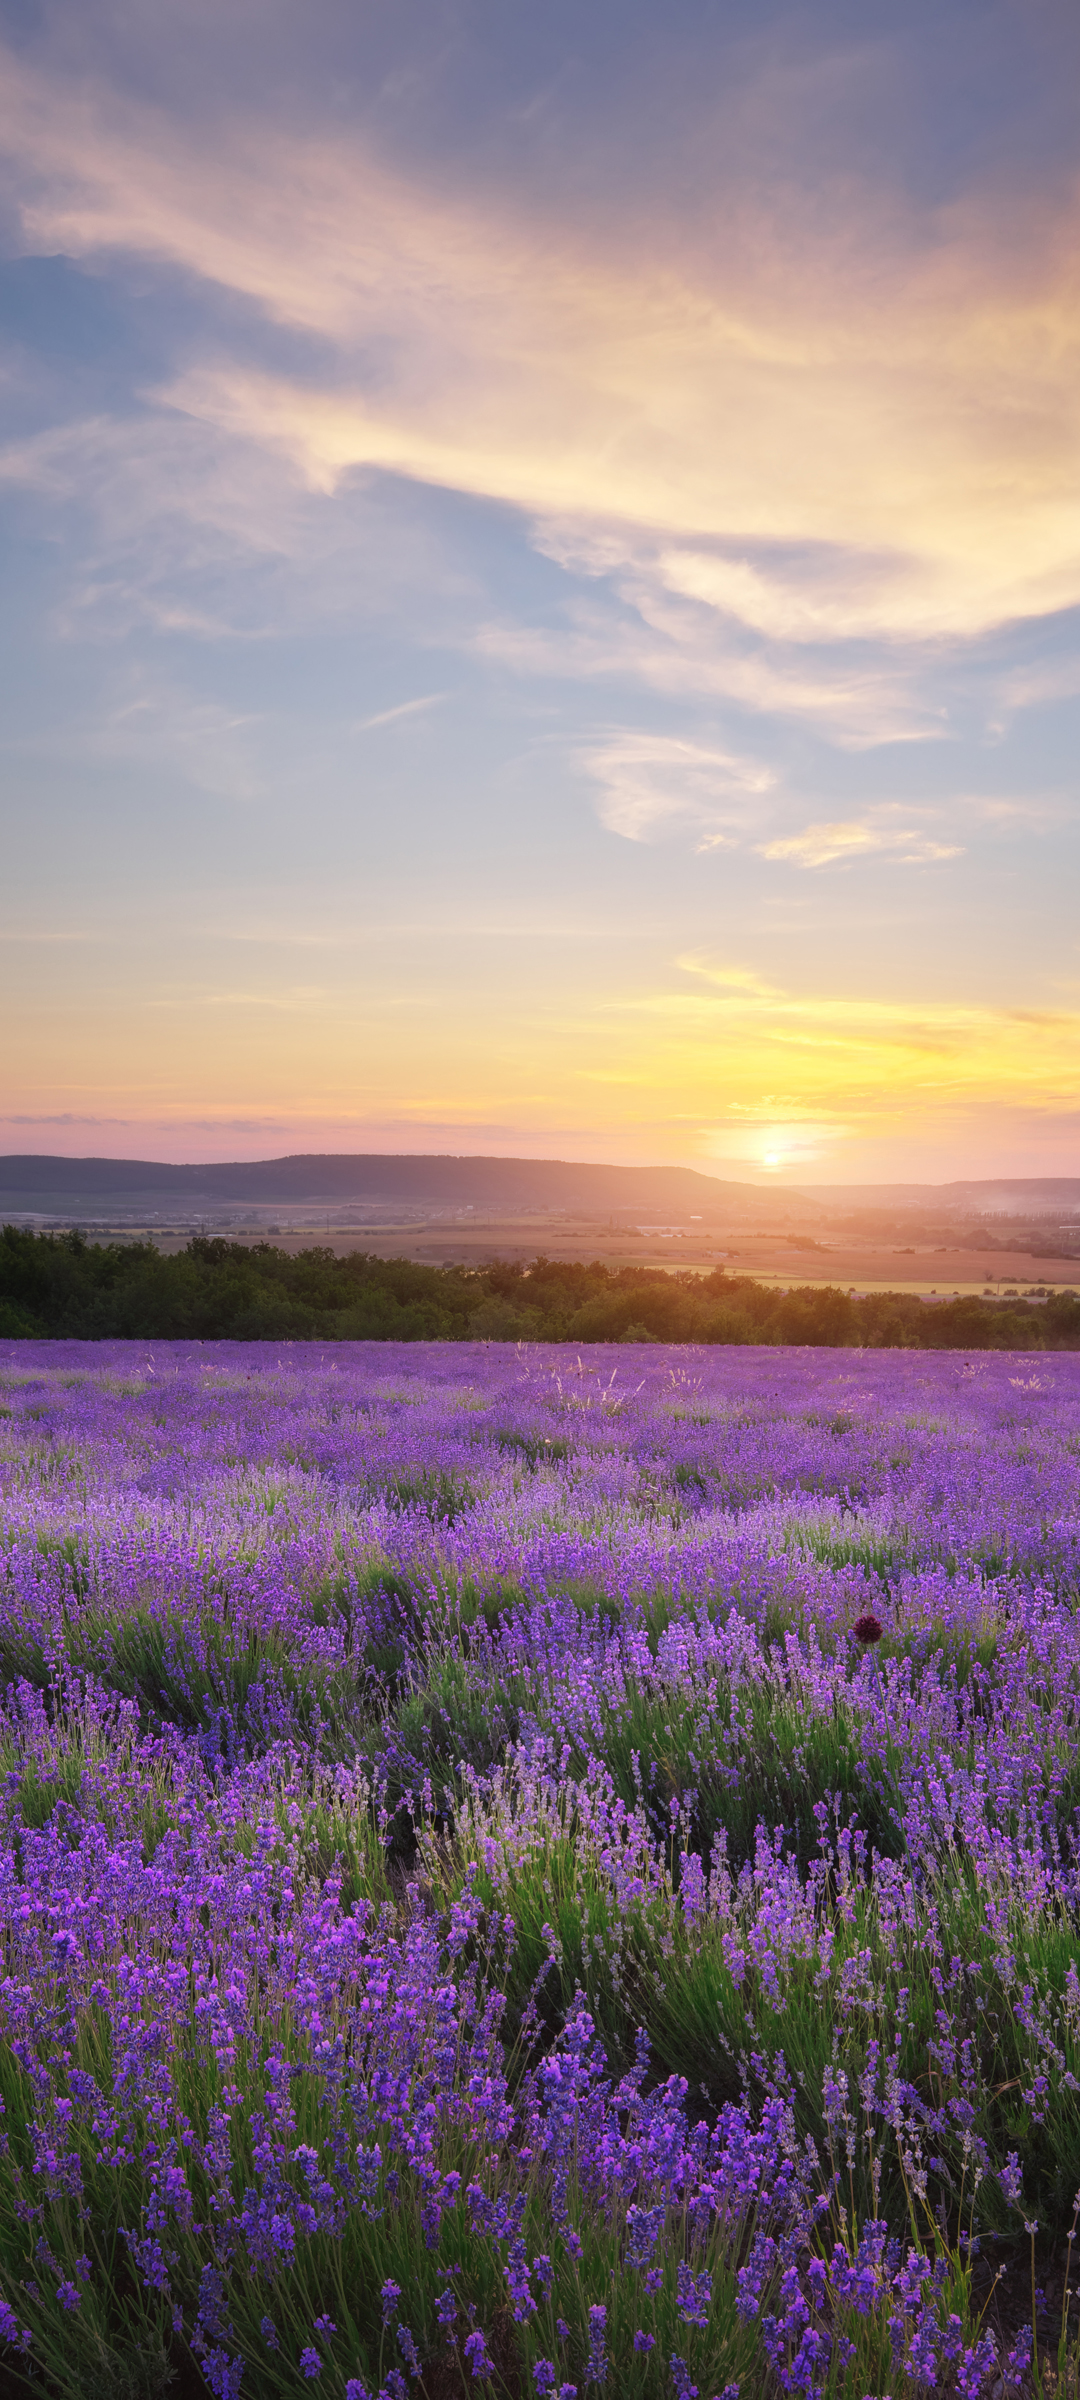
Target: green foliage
<point x="61" y="1285"/>
<point x="443" y="1496"/>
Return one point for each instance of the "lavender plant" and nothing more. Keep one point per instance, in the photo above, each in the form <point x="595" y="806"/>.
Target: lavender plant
<point x="528" y="1873"/>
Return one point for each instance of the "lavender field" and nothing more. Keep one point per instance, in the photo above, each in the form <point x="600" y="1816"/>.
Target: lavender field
<point x="529" y="1873"/>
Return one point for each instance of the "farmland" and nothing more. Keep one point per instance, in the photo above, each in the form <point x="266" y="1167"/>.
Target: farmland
<point x="531" y="1871"/>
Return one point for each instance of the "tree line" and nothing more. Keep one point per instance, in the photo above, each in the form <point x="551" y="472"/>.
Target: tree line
<point x="60" y="1285"/>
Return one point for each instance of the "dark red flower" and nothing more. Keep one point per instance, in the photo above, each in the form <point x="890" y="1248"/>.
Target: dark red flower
<point x="867" y="1630"/>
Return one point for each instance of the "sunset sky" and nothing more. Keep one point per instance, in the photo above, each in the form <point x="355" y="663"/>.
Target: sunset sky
<point x="541" y="581"/>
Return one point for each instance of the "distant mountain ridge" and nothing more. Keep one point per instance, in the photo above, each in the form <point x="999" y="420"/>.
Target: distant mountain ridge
<point x="53" y="1185"/>
<point x="409" y="1179"/>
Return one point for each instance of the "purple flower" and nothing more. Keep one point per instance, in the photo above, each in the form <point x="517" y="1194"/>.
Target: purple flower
<point x="212" y="1526"/>
<point x="974" y="2366"/>
<point x="1011" y="2178"/>
<point x="476" y="2353"/>
<point x="223" y="2374"/>
<point x="596" y="2363"/>
<point x="410" y="2353"/>
<point x="10" y="2329"/>
<point x="517" y="2277"/>
<point x="694" y="2294"/>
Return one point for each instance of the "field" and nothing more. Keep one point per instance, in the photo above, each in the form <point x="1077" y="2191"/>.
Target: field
<point x="534" y="1873"/>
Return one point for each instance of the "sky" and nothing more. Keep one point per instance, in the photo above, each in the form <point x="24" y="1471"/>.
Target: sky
<point x="540" y="581"/>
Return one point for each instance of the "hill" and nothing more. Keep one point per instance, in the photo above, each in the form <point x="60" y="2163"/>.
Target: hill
<point x="60" y="1185"/>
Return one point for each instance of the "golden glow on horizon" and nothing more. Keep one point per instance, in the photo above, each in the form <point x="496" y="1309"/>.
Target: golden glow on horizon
<point x="722" y="1069"/>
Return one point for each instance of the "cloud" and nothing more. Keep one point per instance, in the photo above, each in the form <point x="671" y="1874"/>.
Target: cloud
<point x="828" y="845"/>
<point x="1040" y="685"/>
<point x="161" y="464"/>
<point x="212" y="746"/>
<point x="188" y="529"/>
<point x="837" y="1038"/>
<point x="675" y="648"/>
<point x="733" y="979"/>
<point x="824" y="597"/>
<point x="656" y="784"/>
<point x="146" y="721"/>
<point x="900" y="390"/>
<point x="405" y="708"/>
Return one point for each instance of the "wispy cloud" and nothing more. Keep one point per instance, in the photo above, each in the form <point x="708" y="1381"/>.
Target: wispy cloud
<point x="405" y="708"/>
<point x="732" y="979"/>
<point x="655" y="784"/>
<point x="183" y="528"/>
<point x="873" y="836"/>
<point x="64" y="1116"/>
<point x="660" y="786"/>
<point x="1035" y="685"/>
<point x="674" y="647"/>
<point x="211" y="745"/>
<point x="822" y="1024"/>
